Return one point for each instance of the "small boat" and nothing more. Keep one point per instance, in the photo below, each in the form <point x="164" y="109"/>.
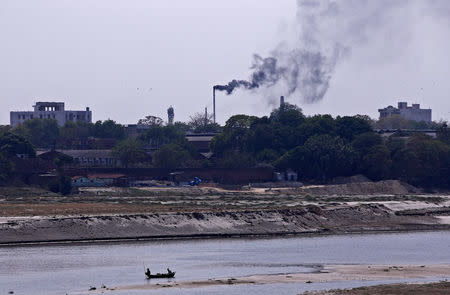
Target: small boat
<point x="169" y="274"/>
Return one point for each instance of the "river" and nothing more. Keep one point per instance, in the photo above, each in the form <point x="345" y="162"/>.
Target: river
<point x="72" y="268"/>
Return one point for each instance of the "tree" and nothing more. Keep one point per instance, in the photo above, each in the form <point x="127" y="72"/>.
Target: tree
<point x="4" y="129"/>
<point x="151" y="121"/>
<point x="365" y="141"/>
<point x="443" y="133"/>
<point x="240" y="122"/>
<point x="199" y="123"/>
<point x="348" y="127"/>
<point x="129" y="152"/>
<point x="62" y="185"/>
<point x="267" y="156"/>
<point x="288" y="114"/>
<point x="377" y="162"/>
<point x="74" y="132"/>
<point x="108" y="129"/>
<point x="5" y="168"/>
<point x="315" y="125"/>
<point x="12" y="144"/>
<point x="181" y="126"/>
<point x="321" y="157"/>
<point x="423" y="161"/>
<point x="171" y="156"/>
<point x="158" y="136"/>
<point x="42" y="133"/>
<point x="395" y="144"/>
<point x="236" y="160"/>
<point x="399" y="122"/>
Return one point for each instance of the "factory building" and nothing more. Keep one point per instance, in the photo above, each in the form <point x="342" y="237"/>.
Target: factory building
<point x="413" y="112"/>
<point x="50" y="110"/>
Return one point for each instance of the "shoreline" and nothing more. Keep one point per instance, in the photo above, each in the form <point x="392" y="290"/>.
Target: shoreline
<point x="216" y="236"/>
<point x="326" y="273"/>
<point x="122" y="215"/>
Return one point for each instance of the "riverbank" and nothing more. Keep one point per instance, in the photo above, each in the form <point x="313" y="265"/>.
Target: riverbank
<point x="323" y="274"/>
<point x="440" y="288"/>
<point x="103" y="214"/>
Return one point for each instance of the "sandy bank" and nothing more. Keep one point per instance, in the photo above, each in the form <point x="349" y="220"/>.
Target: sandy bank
<point x="308" y="219"/>
<point x="438" y="288"/>
<point x="329" y="273"/>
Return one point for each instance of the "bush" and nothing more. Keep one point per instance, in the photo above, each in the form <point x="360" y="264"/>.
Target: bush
<point x="63" y="185"/>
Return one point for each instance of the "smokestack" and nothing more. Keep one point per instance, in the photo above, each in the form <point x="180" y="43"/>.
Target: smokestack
<point x="214" y="104"/>
<point x="281" y="101"/>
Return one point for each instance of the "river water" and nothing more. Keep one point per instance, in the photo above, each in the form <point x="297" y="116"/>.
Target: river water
<point x="72" y="268"/>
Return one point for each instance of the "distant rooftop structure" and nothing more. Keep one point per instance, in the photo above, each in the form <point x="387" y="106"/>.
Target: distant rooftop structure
<point x="171" y="115"/>
<point x="50" y="110"/>
<point x="413" y="112"/>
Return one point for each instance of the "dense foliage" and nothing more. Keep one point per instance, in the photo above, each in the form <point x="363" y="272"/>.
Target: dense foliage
<point x="318" y="147"/>
<point x="322" y="147"/>
<point x="129" y="152"/>
<point x="45" y="133"/>
<point x="12" y="145"/>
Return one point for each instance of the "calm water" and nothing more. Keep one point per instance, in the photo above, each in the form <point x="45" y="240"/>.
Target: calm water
<point x="61" y="269"/>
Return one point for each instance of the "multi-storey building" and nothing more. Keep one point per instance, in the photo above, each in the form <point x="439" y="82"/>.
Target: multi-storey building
<point x="50" y="110"/>
<point x="413" y="112"/>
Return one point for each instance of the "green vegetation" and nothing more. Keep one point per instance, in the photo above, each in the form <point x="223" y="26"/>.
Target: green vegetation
<point x="62" y="185"/>
<point x="398" y="122"/>
<point x="322" y="147"/>
<point x="42" y="133"/>
<point x="129" y="151"/>
<point x="199" y="123"/>
<point x="318" y="147"/>
<point x="171" y="156"/>
<point x="45" y="133"/>
<point x="10" y="146"/>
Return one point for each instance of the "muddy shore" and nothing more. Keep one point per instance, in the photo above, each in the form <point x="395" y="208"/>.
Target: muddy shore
<point x="327" y="273"/>
<point x="438" y="288"/>
<point x="29" y="216"/>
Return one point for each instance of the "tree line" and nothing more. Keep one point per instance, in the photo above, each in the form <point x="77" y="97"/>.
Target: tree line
<point x="318" y="147"/>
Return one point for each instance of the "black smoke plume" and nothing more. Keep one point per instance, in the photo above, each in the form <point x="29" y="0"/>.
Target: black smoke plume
<point x="266" y="72"/>
<point x="327" y="30"/>
<point x="306" y="71"/>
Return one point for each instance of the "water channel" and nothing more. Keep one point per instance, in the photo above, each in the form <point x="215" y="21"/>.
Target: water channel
<point x="73" y="268"/>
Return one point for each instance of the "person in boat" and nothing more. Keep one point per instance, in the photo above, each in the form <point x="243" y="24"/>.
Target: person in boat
<point x="147" y="272"/>
<point x="168" y="270"/>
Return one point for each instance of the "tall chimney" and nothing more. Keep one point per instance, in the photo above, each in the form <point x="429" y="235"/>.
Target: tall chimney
<point x="281" y="101"/>
<point x="214" y="104"/>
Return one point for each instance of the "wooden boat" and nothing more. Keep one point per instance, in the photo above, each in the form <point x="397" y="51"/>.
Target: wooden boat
<point x="169" y="274"/>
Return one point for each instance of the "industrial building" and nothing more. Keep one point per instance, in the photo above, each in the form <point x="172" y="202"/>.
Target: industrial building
<point x="413" y="112"/>
<point x="50" y="110"/>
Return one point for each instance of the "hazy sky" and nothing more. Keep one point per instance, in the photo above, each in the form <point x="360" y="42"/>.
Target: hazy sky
<point x="128" y="59"/>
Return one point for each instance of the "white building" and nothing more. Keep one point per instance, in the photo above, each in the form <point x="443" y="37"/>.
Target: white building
<point x="50" y="110"/>
<point x="413" y="112"/>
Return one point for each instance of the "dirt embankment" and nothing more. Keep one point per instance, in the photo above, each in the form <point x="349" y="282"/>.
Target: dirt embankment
<point x="310" y="219"/>
<point x="30" y="215"/>
<point x="391" y="187"/>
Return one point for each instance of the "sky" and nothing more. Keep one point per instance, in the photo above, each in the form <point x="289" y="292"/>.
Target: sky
<point x="132" y="58"/>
